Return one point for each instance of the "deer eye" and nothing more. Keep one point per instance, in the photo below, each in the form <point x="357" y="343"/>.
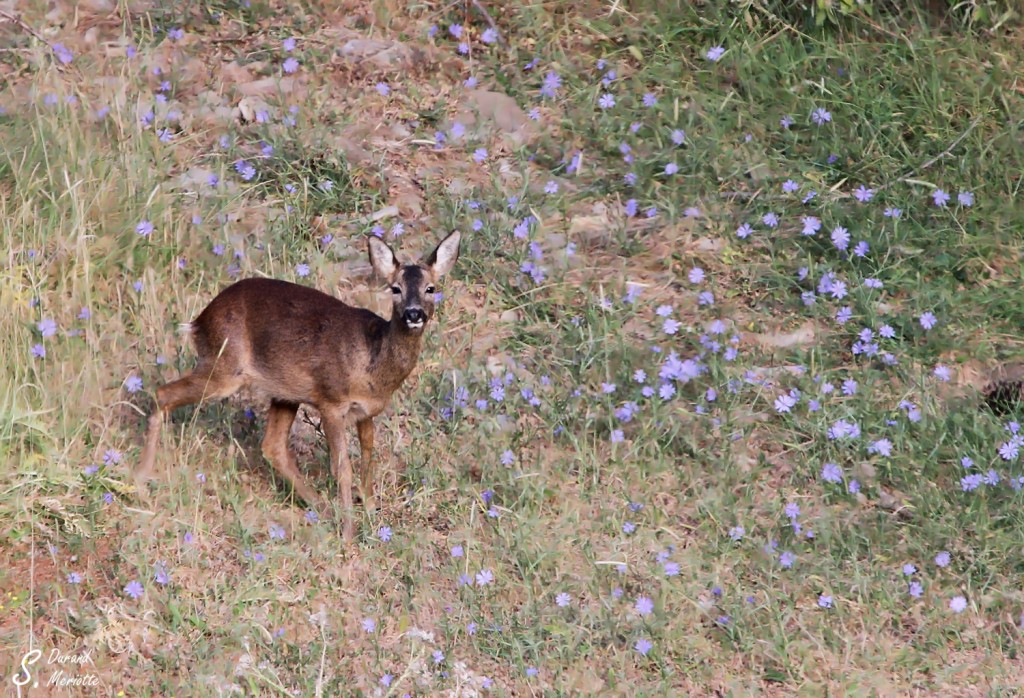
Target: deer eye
<point x="395" y="289"/>
<point x="430" y="289"/>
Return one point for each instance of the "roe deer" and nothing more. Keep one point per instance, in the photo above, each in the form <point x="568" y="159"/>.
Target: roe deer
<point x="303" y="346"/>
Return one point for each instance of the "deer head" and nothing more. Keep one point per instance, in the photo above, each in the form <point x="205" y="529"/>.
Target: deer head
<point x="413" y="285"/>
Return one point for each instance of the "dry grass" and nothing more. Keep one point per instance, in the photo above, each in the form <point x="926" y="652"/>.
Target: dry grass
<point x="549" y="498"/>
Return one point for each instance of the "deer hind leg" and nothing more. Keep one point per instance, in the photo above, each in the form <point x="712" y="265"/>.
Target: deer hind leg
<point x="201" y="384"/>
<point x="334" y="426"/>
<point x="367" y="478"/>
<point x="276" y="450"/>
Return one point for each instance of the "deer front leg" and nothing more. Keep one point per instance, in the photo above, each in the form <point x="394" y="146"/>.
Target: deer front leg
<point x="365" y="429"/>
<point x="334" y="427"/>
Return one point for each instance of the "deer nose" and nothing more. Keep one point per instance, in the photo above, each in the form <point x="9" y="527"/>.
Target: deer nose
<point x="414" y="316"/>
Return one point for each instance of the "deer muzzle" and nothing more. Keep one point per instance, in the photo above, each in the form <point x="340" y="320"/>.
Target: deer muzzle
<point x="414" y="318"/>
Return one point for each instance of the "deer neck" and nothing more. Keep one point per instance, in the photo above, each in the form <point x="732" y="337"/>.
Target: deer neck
<point x="400" y="349"/>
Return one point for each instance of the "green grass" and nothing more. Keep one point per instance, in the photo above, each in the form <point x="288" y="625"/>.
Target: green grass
<point x="509" y="472"/>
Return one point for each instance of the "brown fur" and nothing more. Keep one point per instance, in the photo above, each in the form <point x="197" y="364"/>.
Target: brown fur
<point x="302" y="346"/>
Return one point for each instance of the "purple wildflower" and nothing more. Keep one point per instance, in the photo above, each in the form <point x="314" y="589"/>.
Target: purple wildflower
<point x="714" y="53"/>
<point x="134" y="589"/>
<point x="830" y="472"/>
<point x="821" y="116"/>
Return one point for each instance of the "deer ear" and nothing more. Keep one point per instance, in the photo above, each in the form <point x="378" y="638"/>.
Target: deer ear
<point x="382" y="257"/>
<point x="442" y="259"/>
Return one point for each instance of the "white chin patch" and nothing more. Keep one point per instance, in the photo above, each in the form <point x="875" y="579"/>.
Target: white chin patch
<point x="414" y="325"/>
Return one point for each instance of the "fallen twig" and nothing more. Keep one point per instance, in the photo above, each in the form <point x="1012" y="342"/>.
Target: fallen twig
<point x="28" y="28"/>
<point x="21" y="23"/>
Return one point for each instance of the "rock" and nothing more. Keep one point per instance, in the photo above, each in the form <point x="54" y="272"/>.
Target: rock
<point x="405" y="194"/>
<point x="500" y="108"/>
<point x="386" y="212"/>
<point x="483" y="343"/>
<point x="486" y="111"/>
<point x="803" y="336"/>
<point x="234" y="74"/>
<point x="266" y="86"/>
<point x="195" y="180"/>
<point x="505" y="424"/>
<point x="353" y="152"/>
<point x="249" y="108"/>
<point x="886" y="500"/>
<point x="595" y="227"/>
<point x="554" y="241"/>
<point x="211" y="99"/>
<point x="457" y="186"/>
<point x="511" y="176"/>
<point x="709" y="245"/>
<point x="54" y="17"/>
<point x="217" y="116"/>
<point x="99" y="7"/>
<point x="499" y="364"/>
<point x="866" y="471"/>
<point x="383" y="55"/>
<point x="759" y="173"/>
<point x="742" y="455"/>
